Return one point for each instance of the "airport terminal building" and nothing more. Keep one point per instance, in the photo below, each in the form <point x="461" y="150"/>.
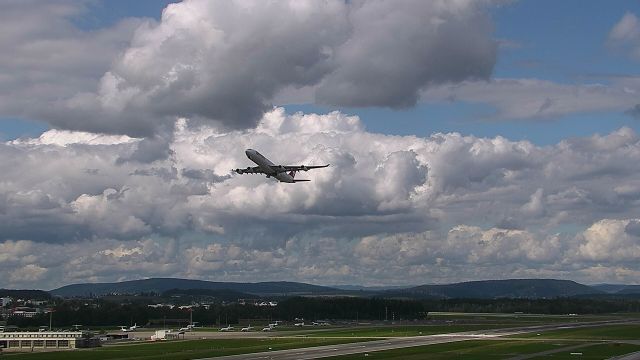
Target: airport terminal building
<point x="45" y="340"/>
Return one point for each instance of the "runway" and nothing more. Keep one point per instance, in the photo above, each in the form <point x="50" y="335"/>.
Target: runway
<point x="403" y="342"/>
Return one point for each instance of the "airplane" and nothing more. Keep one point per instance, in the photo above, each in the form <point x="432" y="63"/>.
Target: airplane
<point x="248" y="328"/>
<point x="127" y="329"/>
<point x="187" y="328"/>
<point x="283" y="173"/>
<point x="299" y="324"/>
<point x="228" y="328"/>
<point x="268" y="328"/>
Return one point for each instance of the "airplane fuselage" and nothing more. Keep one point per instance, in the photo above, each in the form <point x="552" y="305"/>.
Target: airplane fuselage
<point x="267" y="166"/>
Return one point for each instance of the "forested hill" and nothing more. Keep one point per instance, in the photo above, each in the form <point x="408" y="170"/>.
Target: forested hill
<point x="513" y="288"/>
<point x="488" y="289"/>
<point x="630" y="289"/>
<point x="160" y="285"/>
<point x="25" y="294"/>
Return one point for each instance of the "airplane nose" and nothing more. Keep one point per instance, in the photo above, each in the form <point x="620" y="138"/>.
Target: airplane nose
<point x="248" y="152"/>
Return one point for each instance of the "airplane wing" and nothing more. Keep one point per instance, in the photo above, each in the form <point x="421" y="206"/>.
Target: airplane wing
<point x="276" y="169"/>
<point x="249" y="170"/>
<point x="303" y="167"/>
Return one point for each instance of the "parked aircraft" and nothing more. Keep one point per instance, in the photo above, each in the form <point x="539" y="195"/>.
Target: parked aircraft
<point x="283" y="173"/>
<point x="268" y="328"/>
<point x="248" y="328"/>
<point x="228" y="328"/>
<point x="130" y="328"/>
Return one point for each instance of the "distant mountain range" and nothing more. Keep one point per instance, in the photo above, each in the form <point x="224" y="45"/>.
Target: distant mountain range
<point x="367" y="288"/>
<point x="609" y="288"/>
<point x="629" y="289"/>
<point x="618" y="289"/>
<point x="488" y="289"/>
<point x="514" y="288"/>
<point x="160" y="285"/>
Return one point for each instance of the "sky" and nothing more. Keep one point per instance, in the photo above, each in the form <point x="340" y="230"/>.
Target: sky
<point x="468" y="140"/>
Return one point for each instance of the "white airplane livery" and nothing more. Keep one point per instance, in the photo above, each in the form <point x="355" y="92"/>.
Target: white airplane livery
<point x="283" y="173"/>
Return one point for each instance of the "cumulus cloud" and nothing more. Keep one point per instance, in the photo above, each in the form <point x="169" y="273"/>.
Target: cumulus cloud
<point x="610" y="240"/>
<point x="400" y="47"/>
<point x="626" y="34"/>
<point x="515" y="99"/>
<point x="46" y="59"/>
<point x="224" y="62"/>
<point x="389" y="208"/>
<point x="543" y="99"/>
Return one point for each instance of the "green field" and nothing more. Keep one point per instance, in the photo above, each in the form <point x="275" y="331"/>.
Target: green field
<point x="461" y="350"/>
<point x="179" y="350"/>
<point x="505" y="318"/>
<point x="594" y="352"/>
<point x="493" y="350"/>
<point x="612" y="332"/>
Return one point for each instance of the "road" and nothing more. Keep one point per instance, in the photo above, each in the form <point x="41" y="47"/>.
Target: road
<point x="403" y="342"/>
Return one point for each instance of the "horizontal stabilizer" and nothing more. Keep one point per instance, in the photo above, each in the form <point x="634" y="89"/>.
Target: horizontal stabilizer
<point x="300" y="180"/>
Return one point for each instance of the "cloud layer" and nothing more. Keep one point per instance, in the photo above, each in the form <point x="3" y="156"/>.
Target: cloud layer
<point x="517" y="99"/>
<point x="150" y="116"/>
<point x="225" y="61"/>
<point x="391" y="209"/>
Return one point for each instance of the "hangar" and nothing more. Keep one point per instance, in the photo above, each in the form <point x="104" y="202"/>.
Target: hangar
<point x="42" y="340"/>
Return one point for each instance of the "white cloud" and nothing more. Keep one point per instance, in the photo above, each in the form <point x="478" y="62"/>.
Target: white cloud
<point x="535" y="206"/>
<point x="45" y="58"/>
<point x="399" y="47"/>
<point x="27" y="273"/>
<point x="389" y="208"/>
<point x="515" y="99"/>
<point x="611" y="241"/>
<point x="626" y="33"/>
<point x="65" y="137"/>
<point x="223" y="62"/>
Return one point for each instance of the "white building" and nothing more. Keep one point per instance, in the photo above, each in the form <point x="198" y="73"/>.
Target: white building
<point x="27" y="312"/>
<point x="27" y="341"/>
<point x="167" y="335"/>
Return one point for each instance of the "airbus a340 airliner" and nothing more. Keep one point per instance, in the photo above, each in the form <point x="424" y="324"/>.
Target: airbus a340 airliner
<point x="284" y="173"/>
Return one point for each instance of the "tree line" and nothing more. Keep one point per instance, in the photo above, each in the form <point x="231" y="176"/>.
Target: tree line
<point x="102" y="312"/>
